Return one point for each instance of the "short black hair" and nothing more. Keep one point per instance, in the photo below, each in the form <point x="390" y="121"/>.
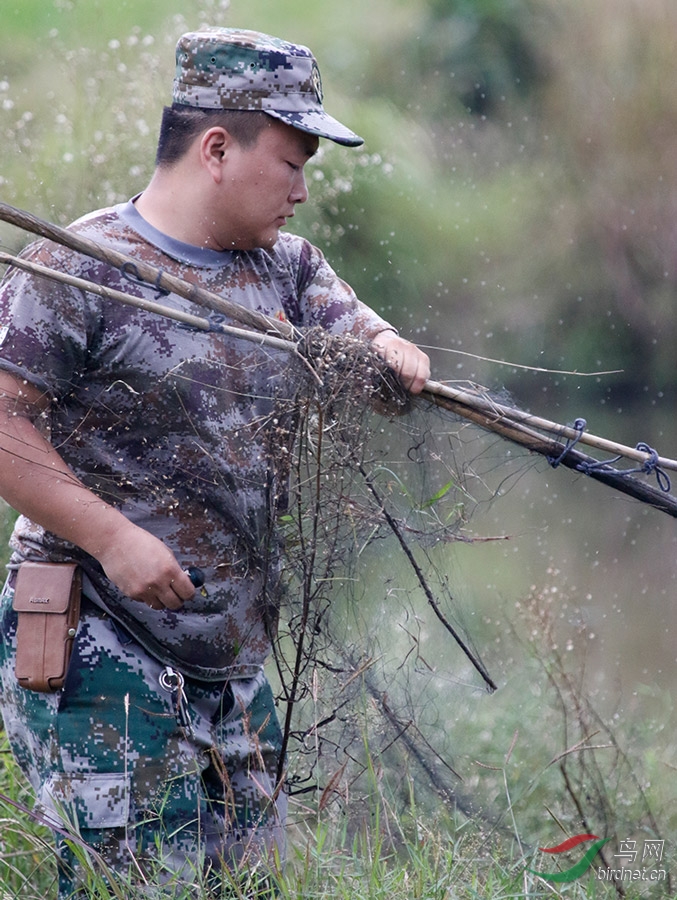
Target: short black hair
<point x="182" y="124"/>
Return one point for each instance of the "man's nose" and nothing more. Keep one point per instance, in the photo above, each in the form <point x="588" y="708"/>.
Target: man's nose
<point x="299" y="191"/>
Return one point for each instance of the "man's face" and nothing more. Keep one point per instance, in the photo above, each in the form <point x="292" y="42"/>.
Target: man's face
<point x="261" y="186"/>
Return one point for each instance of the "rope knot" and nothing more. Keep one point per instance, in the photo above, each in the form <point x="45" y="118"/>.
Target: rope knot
<point x="579" y="427"/>
<point x="129" y="271"/>
<point x="650" y="467"/>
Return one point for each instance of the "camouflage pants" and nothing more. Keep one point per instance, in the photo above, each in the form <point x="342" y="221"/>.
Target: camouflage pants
<point x="174" y="783"/>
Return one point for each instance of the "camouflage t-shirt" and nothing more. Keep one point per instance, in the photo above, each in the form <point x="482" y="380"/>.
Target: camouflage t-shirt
<point x="170" y="424"/>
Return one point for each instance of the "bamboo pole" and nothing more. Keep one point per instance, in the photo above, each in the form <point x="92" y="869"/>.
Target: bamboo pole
<point x="518" y="433"/>
<point x="153" y="276"/>
<point x="513" y="424"/>
<point x="197" y="322"/>
<point x="479" y="400"/>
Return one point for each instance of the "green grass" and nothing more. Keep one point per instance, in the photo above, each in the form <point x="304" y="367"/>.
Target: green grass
<point x="387" y="856"/>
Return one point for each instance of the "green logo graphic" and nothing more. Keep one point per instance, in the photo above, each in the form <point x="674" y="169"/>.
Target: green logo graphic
<point x="581" y="866"/>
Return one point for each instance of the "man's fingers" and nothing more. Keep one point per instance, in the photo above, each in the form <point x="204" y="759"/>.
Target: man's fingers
<point x="145" y="569"/>
<point x="414" y="371"/>
<point x="411" y="364"/>
<point x="177" y="592"/>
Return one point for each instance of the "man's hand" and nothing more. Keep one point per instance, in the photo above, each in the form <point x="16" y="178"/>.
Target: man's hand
<point x="144" y="568"/>
<point x="411" y="365"/>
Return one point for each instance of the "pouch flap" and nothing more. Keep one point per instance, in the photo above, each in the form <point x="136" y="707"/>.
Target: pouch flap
<point x="44" y="587"/>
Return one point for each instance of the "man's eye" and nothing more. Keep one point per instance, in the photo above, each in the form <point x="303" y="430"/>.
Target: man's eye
<point x="293" y="166"/>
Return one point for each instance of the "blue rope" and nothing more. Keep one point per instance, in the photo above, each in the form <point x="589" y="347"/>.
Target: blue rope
<point x="129" y="271"/>
<point x="648" y="467"/>
<point x="579" y="425"/>
<point x="216" y="320"/>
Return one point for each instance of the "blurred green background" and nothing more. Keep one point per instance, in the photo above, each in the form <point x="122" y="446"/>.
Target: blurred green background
<point x="516" y="195"/>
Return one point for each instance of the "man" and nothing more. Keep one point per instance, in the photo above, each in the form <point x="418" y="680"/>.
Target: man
<point x="138" y="448"/>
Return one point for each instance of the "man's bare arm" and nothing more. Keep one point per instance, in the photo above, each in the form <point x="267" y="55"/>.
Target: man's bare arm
<point x="36" y="481"/>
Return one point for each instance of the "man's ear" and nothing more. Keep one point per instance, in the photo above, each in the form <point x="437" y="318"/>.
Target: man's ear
<point x="214" y="146"/>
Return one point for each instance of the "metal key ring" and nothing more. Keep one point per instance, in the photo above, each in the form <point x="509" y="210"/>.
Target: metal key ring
<point x="170" y="680"/>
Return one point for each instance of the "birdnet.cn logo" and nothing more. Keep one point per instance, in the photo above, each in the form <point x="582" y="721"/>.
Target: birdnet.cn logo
<point x="637" y="861"/>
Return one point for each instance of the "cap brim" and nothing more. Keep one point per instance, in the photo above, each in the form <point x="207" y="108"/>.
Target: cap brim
<point x="319" y="123"/>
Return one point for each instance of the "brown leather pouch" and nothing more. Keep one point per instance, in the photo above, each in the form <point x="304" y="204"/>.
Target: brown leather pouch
<point x="47" y="600"/>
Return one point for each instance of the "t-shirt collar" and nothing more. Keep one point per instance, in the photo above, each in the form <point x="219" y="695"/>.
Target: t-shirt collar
<point x="189" y="254"/>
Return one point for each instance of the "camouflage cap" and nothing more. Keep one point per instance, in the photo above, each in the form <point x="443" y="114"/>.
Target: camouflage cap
<point x="231" y="69"/>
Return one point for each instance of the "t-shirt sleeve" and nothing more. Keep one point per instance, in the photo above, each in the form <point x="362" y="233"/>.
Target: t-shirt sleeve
<point x="328" y="301"/>
<point x="42" y="325"/>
